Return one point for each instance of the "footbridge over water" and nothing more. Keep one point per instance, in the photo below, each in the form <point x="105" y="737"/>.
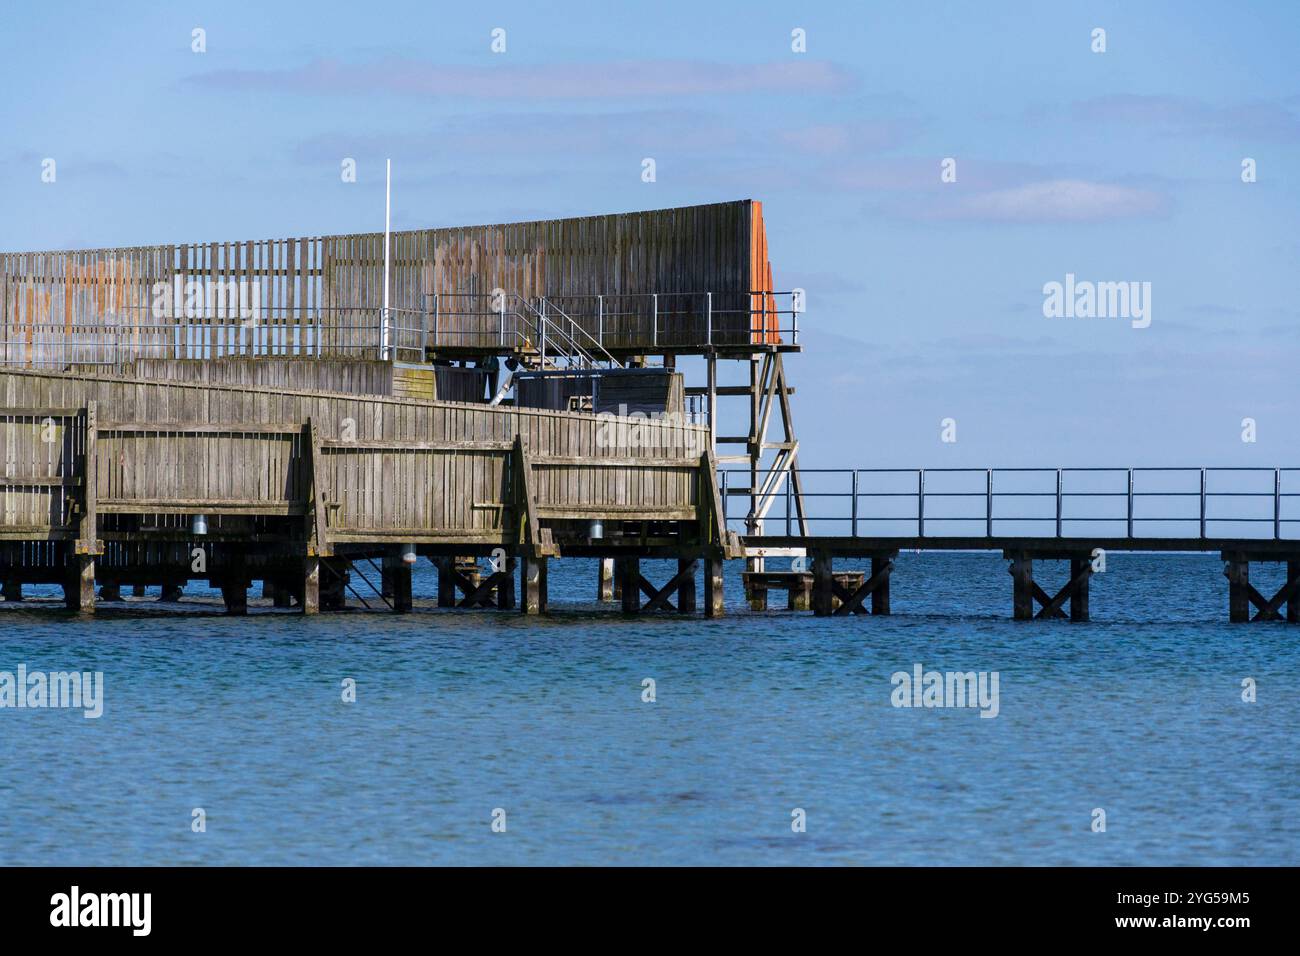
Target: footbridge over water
<point x="313" y="412"/>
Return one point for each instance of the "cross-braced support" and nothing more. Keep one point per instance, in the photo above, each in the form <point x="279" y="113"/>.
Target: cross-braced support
<point x="846" y="593"/>
<point x="496" y="589"/>
<point x="1242" y="594"/>
<point x="682" y="587"/>
<point x="768" y="397"/>
<point x="1026" y="592"/>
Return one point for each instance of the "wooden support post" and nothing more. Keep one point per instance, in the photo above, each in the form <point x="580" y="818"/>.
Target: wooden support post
<point x="1022" y="588"/>
<point x="605" y="580"/>
<point x="110" y="592"/>
<point x="446" y="582"/>
<point x="630" y="581"/>
<point x="86" y="581"/>
<point x="753" y="524"/>
<point x="686" y="568"/>
<point x="234" y="592"/>
<point x="1080" y="574"/>
<point x="823" y="585"/>
<point x="79" y="588"/>
<point x="532" y="586"/>
<point x="310" y="600"/>
<point x="799" y="597"/>
<point x="714" y="604"/>
<point x="170" y="593"/>
<point x="137" y="590"/>
<point x="318" y="510"/>
<point x="711" y="366"/>
<point x="882" y="567"/>
<point x="397" y="582"/>
<point x="756" y="592"/>
<point x="88" y="530"/>
<point x="1293" y="604"/>
<point x="544" y="581"/>
<point x="1237" y="571"/>
<point x="12" y="590"/>
<point x="506" y="586"/>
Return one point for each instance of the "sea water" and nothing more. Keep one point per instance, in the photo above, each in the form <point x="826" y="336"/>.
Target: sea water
<point x="485" y="737"/>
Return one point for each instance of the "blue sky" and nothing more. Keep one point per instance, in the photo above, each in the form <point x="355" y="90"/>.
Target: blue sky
<point x="925" y="298"/>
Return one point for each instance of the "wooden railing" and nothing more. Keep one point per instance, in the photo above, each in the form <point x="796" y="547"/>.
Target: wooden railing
<point x="673" y="276"/>
<point x="363" y="477"/>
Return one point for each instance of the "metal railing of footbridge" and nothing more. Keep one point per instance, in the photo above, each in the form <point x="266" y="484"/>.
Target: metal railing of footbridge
<point x="1171" y="502"/>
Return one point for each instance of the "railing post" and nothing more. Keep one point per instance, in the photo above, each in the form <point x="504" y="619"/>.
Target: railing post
<point x="600" y="319"/>
<point x="503" y="321"/>
<point x="1202" y="504"/>
<point x="724" y="501"/>
<point x="788" y="500"/>
<point x="920" y="503"/>
<point x="1058" y="502"/>
<point x="1130" y="502"/>
<point x="854" y="527"/>
<point x="1277" y="504"/>
<point x="708" y="313"/>
<point x="541" y="321"/>
<point x="988" y="504"/>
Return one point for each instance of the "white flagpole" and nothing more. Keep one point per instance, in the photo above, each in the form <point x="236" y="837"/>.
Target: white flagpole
<point x="388" y="223"/>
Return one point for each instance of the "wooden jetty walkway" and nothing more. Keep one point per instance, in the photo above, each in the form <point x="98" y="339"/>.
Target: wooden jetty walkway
<point x="309" y="414"/>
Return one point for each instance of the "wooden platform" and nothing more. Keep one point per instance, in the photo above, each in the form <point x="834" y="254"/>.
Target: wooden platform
<point x="105" y="477"/>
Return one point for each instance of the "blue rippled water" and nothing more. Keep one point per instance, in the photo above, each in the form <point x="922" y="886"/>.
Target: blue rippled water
<point x="459" y="713"/>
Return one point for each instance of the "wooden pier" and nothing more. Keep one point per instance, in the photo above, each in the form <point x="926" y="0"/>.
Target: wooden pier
<point x="518" y="399"/>
<point x="106" y="477"/>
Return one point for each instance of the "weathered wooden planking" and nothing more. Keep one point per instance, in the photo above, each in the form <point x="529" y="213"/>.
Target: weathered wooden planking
<point x="39" y="458"/>
<point x="386" y="467"/>
<point x="126" y="400"/>
<point x="320" y="296"/>
<point x="207" y="468"/>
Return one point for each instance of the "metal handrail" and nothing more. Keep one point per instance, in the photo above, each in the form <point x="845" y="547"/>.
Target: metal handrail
<point x="1061" y="496"/>
<point x="544" y="325"/>
<point x="663" y="305"/>
<point x="604" y="313"/>
<point x="612" y="362"/>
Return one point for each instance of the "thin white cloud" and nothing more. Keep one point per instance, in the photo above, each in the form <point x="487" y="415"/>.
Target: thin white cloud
<point x="555" y="134"/>
<point x="1058" y="200"/>
<point x="1259" y="120"/>
<point x="579" y="81"/>
<point x="851" y="138"/>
